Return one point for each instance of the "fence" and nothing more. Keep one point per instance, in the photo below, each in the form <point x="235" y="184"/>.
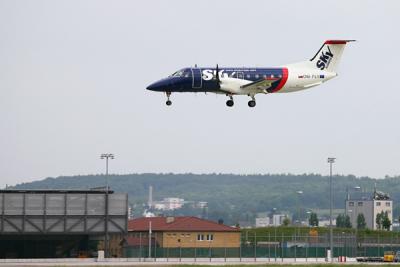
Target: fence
<point x="269" y="247"/>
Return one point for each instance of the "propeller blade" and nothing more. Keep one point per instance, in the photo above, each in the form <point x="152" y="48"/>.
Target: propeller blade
<point x="217" y="74"/>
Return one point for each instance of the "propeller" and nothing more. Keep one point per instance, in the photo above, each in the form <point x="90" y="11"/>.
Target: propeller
<point x="217" y="76"/>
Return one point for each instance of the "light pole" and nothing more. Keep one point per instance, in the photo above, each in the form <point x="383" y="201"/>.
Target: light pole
<point x="106" y="156"/>
<point x="149" y="239"/>
<point x="355" y="215"/>
<point x="330" y="161"/>
<point x="299" y="193"/>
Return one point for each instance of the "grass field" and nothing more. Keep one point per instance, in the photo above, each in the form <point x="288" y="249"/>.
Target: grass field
<point x="285" y="264"/>
<point x="263" y="264"/>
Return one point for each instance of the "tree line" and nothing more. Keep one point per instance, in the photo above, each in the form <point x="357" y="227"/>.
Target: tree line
<point x="233" y="198"/>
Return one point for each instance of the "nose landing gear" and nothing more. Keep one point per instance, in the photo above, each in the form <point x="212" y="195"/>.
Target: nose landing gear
<point x="169" y="102"/>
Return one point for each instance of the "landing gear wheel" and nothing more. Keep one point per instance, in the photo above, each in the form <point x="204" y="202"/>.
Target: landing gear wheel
<point x="169" y="102"/>
<point x="252" y="103"/>
<point x="230" y="103"/>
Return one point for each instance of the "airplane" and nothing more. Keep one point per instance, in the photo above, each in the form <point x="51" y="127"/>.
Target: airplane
<point x="251" y="81"/>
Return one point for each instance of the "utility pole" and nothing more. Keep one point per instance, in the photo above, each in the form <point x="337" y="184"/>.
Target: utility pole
<point x="106" y="156"/>
<point x="299" y="193"/>
<point x="330" y="161"/>
<point x="149" y="239"/>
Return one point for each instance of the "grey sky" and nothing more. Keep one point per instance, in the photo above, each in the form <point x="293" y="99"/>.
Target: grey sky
<point x="73" y="77"/>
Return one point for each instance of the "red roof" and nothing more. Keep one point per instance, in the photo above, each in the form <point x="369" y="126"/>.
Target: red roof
<point x="184" y="223"/>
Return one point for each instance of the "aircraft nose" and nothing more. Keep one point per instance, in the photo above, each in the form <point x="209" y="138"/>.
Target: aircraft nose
<point x="157" y="86"/>
<point x="152" y="87"/>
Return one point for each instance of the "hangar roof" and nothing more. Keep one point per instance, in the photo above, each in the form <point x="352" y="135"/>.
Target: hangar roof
<point x="55" y="191"/>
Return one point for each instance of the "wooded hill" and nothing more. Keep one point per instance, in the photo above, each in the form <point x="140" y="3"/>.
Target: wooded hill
<point x="230" y="197"/>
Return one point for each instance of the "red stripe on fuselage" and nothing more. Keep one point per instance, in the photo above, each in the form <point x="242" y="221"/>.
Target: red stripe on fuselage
<point x="283" y="80"/>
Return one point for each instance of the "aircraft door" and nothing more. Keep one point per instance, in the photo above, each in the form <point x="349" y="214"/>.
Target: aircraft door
<point x="197" y="81"/>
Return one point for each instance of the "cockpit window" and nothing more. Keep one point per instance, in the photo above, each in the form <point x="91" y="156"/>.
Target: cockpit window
<point x="187" y="73"/>
<point x="181" y="73"/>
<point x="178" y="73"/>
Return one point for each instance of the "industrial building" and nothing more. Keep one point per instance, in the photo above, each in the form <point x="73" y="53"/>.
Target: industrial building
<point x="270" y="220"/>
<point x="369" y="205"/>
<point x="59" y="223"/>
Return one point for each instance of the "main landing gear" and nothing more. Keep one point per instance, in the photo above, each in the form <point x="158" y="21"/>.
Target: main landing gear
<point x="252" y="102"/>
<point x="230" y="102"/>
<point x="169" y="102"/>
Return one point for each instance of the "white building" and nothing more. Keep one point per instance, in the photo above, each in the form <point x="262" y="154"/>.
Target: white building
<point x="370" y="207"/>
<point x="169" y="203"/>
<point x="202" y="204"/>
<point x="326" y="223"/>
<point x="173" y="203"/>
<point x="277" y="219"/>
<point x="262" y="222"/>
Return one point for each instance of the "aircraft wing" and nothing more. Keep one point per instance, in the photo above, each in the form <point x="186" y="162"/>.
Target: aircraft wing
<point x="260" y="85"/>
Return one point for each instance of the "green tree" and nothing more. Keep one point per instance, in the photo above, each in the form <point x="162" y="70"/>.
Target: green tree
<point x="386" y="223"/>
<point x="343" y="221"/>
<point x="347" y="223"/>
<point x="361" y="224"/>
<point x="379" y="220"/>
<point x="313" y="220"/>
<point x="340" y="221"/>
<point x="286" y="221"/>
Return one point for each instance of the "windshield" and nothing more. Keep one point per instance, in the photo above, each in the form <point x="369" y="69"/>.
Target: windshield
<point x="181" y="73"/>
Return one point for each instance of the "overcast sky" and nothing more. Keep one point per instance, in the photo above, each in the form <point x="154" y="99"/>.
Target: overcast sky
<point x="73" y="76"/>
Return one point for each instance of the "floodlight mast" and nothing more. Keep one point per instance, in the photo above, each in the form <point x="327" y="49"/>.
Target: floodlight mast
<point x="106" y="156"/>
<point x="330" y="161"/>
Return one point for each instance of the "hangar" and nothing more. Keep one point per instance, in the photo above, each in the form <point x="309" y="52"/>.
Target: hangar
<point x="60" y="223"/>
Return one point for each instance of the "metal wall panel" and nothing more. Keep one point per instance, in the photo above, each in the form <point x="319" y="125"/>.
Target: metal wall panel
<point x="13" y="204"/>
<point x="75" y="225"/>
<point x="54" y="225"/>
<point x="12" y="225"/>
<point x="33" y="225"/>
<point x="117" y="204"/>
<point x="55" y="204"/>
<point x="95" y="225"/>
<point x="76" y="204"/>
<point x="112" y="224"/>
<point x="60" y="212"/>
<point x="96" y="204"/>
<point x="34" y="204"/>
